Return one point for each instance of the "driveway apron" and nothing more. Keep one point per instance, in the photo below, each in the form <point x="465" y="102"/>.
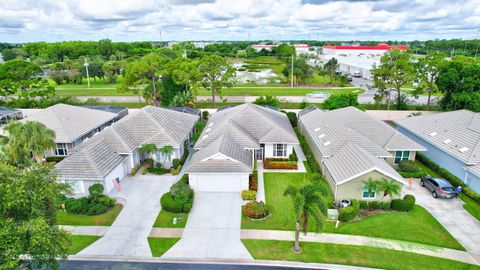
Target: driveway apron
<point x="450" y="213"/>
<point x="128" y="234"/>
<point x="213" y="229"/>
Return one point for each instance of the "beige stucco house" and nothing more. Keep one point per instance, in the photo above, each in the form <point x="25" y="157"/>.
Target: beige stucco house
<point x="350" y="146"/>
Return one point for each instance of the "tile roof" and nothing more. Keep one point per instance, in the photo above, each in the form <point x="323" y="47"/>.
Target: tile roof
<point x="238" y="129"/>
<point x="71" y="122"/>
<point x="457" y="132"/>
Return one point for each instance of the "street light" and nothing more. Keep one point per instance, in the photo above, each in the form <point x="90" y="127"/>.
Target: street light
<point x="86" y="69"/>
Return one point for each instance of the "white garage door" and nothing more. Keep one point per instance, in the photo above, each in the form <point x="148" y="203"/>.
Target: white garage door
<point x="219" y="183"/>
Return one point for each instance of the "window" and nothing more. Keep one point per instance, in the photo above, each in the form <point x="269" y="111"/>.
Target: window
<point x="61" y="149"/>
<point x="77" y="186"/>
<point x="369" y="195"/>
<point x="401" y="155"/>
<point x="279" y="150"/>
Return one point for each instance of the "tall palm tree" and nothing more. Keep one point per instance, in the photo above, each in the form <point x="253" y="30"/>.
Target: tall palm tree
<point x="307" y="203"/>
<point x="23" y="140"/>
<point x="166" y="150"/>
<point x="389" y="187"/>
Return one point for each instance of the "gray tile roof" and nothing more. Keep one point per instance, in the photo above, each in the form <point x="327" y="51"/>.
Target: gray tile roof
<point x="71" y="122"/>
<point x="457" y="132"/>
<point x="337" y="132"/>
<point x="148" y="125"/>
<point x="352" y="161"/>
<point x="231" y="131"/>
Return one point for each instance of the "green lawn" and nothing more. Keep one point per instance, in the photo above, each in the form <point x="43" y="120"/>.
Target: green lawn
<point x="159" y="246"/>
<point x="415" y="226"/>
<point x="282" y="217"/>
<point x="98" y="83"/>
<point x="471" y="206"/>
<point x="80" y="242"/>
<point x="165" y="220"/>
<point x="238" y="91"/>
<point x="350" y="255"/>
<point x="105" y="219"/>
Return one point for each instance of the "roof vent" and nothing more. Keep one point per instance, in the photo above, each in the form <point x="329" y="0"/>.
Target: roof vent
<point x="433" y="134"/>
<point x="326" y="143"/>
<point x="463" y="149"/>
<point x="317" y="129"/>
<point x="204" y="137"/>
<point x="447" y="141"/>
<point x="321" y="135"/>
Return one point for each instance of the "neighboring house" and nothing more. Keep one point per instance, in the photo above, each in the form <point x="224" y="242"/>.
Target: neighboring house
<point x="230" y="143"/>
<point x="72" y="125"/>
<point x="6" y="115"/>
<point x="110" y="155"/>
<point x="452" y="140"/>
<point x="350" y="146"/>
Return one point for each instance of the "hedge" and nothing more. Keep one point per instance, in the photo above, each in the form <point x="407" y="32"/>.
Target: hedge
<point x="308" y="152"/>
<point x="413" y="174"/>
<point x="253" y="184"/>
<point x="54" y="159"/>
<point x="350" y="212"/>
<point x="279" y="163"/>
<point x="406" y="204"/>
<point x="455" y="181"/>
<point x="169" y="204"/>
<point x="374" y="205"/>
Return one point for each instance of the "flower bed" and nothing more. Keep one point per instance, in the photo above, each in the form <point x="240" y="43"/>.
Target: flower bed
<point x="279" y="163"/>
<point x="256" y="210"/>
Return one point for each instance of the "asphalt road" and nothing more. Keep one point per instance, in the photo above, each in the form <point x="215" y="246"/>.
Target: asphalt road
<point x="111" y="265"/>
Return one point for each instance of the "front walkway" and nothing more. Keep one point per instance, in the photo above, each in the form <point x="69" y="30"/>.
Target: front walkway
<point x="212" y="230"/>
<point x="128" y="234"/>
<point x="343" y="239"/>
<point x="450" y="213"/>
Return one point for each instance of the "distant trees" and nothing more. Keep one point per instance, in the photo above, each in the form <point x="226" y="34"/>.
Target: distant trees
<point x="331" y="68"/>
<point x="283" y="50"/>
<point x="427" y="70"/>
<point x="216" y="74"/>
<point x="302" y="71"/>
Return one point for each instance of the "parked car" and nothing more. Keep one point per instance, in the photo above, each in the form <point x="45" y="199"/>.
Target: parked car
<point x="357" y="74"/>
<point x="349" y="78"/>
<point x="439" y="187"/>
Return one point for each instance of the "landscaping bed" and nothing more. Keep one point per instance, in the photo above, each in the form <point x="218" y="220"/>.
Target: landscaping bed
<point x="279" y="164"/>
<point x="105" y="219"/>
<point x="159" y="246"/>
<point x="349" y="255"/>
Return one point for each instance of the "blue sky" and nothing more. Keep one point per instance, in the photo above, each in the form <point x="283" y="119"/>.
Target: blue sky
<point x="127" y="20"/>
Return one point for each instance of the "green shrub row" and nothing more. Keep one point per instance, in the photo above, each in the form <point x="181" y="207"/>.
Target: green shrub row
<point x="374" y="205"/>
<point x="308" y="152"/>
<point x="158" y="169"/>
<point x="350" y="212"/>
<point x="413" y="174"/>
<point x="406" y="204"/>
<point x="455" y="181"/>
<point x="54" y="159"/>
<point x="253" y="183"/>
<point x="94" y="204"/>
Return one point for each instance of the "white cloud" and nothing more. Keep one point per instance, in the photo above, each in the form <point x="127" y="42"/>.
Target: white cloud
<point x="51" y="20"/>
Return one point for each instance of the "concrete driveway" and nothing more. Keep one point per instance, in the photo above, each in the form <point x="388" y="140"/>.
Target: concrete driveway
<point x="450" y="213"/>
<point x="213" y="229"/>
<point x="128" y="234"/>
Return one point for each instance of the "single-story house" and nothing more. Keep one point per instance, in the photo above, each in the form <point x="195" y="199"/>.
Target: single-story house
<point x="72" y="125"/>
<point x="231" y="142"/>
<point x="452" y="140"/>
<point x="110" y="155"/>
<point x="350" y="147"/>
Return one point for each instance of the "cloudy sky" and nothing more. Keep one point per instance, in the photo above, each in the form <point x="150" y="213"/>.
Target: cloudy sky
<point x="132" y="20"/>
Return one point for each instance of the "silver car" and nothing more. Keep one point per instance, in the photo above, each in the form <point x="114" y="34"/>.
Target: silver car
<point x="440" y="188"/>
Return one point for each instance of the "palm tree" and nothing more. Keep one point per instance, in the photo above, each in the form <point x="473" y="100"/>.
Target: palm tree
<point x="166" y="150"/>
<point x="389" y="187"/>
<point x="371" y="185"/>
<point x="26" y="139"/>
<point x="307" y="203"/>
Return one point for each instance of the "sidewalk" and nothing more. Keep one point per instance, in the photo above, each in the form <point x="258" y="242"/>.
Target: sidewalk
<point x="355" y="240"/>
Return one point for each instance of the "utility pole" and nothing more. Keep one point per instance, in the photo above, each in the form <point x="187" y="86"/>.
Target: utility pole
<point x="86" y="69"/>
<point x="291" y="74"/>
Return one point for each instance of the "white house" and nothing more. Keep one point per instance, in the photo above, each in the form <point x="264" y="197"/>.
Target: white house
<point x="110" y="155"/>
<point x="231" y="141"/>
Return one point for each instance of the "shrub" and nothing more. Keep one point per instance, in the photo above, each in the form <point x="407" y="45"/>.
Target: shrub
<point x="418" y="174"/>
<point x="107" y="201"/>
<point x="248" y="195"/>
<point x="144" y="170"/>
<point x="54" y="159"/>
<point x="96" y="209"/>
<point x="181" y="192"/>
<point x="292" y="117"/>
<point x="340" y="101"/>
<point x="293" y="156"/>
<point x="186" y="150"/>
<point x="205" y="115"/>
<point x="96" y="190"/>
<point x="267" y="101"/>
<point x="187" y="207"/>
<point x="175" y="163"/>
<point x="350" y="212"/>
<point x="184" y="179"/>
<point x="89" y="205"/>
<point x="406" y="204"/>
<point x="76" y="206"/>
<point x="176" y="171"/>
<point x="169" y="204"/>
<point x="135" y="170"/>
<point x="149" y="162"/>
<point x="253" y="184"/>
<point x="256" y="210"/>
<point x="279" y="163"/>
<point x="158" y="169"/>
<point x="384" y="205"/>
<point x="408" y="166"/>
